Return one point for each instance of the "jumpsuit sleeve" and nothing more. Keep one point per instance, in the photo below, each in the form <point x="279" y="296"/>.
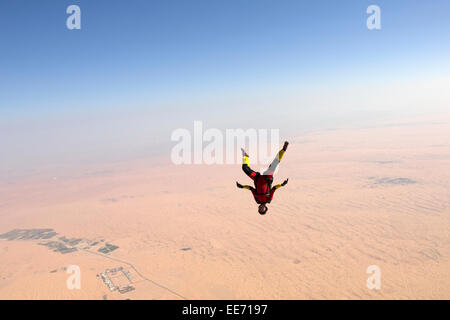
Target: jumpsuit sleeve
<point x="276" y="187"/>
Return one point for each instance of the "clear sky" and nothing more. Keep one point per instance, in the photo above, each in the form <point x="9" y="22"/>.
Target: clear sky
<point x="164" y="58"/>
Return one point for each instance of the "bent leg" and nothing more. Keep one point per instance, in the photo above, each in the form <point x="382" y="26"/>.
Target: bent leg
<point x="248" y="171"/>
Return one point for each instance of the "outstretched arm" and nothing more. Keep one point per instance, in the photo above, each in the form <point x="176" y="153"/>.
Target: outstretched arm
<point x="243" y="187"/>
<point x="280" y="185"/>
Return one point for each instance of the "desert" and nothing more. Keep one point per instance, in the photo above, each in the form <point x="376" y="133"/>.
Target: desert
<point x="149" y="229"/>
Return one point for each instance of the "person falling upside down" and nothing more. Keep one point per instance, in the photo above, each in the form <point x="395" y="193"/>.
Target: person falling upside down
<point x="263" y="190"/>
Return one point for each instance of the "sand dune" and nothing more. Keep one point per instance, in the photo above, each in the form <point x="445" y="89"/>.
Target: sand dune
<point x="355" y="198"/>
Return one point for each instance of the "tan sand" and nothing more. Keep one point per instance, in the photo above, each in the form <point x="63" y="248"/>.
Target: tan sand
<point x="341" y="212"/>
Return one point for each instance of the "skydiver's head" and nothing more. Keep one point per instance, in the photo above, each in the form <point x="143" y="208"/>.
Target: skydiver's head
<point x="262" y="209"/>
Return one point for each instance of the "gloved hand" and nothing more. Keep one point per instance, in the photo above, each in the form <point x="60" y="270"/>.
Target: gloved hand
<point x="285" y="182"/>
<point x="285" y="145"/>
<point x="239" y="185"/>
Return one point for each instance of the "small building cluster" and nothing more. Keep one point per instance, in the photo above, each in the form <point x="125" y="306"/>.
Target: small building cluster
<point x="107" y="248"/>
<point x="112" y="277"/>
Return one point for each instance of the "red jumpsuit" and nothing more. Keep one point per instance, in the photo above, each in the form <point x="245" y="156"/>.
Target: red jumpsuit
<point x="263" y="191"/>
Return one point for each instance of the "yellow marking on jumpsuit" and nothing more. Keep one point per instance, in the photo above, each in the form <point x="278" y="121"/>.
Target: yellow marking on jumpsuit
<point x="280" y="155"/>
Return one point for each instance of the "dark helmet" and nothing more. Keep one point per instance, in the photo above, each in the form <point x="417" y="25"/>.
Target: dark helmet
<point x="262" y="209"/>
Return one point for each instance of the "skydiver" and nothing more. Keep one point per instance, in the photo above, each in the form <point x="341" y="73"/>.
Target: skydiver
<point x="263" y="190"/>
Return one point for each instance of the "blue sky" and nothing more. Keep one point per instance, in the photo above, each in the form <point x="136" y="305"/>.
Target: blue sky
<point x="143" y="52"/>
<point x="139" y="69"/>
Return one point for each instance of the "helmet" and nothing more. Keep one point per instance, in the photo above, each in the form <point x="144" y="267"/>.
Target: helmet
<point x="262" y="209"/>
